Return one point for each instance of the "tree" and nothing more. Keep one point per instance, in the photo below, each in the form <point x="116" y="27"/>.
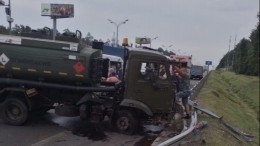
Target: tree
<point x="88" y="39"/>
<point x="160" y="50"/>
<point x="245" y="57"/>
<point x="253" y="52"/>
<point x="3" y="30"/>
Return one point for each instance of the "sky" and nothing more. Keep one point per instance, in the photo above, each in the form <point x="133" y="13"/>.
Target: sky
<point x="201" y="28"/>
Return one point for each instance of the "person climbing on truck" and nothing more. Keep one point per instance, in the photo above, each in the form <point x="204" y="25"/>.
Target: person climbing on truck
<point x="175" y="79"/>
<point x="184" y="90"/>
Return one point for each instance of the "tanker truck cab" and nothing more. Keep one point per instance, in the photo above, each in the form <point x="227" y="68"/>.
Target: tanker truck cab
<point x="149" y="91"/>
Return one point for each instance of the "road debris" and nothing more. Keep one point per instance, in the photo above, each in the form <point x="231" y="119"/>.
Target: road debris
<point x="201" y="125"/>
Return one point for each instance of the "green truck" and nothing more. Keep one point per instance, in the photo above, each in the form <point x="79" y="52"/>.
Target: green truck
<point x="40" y="74"/>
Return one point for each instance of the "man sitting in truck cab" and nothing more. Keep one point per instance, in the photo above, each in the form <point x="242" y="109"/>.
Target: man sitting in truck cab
<point x="112" y="78"/>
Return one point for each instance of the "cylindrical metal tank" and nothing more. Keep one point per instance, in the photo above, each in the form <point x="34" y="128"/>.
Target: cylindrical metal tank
<point x="55" y="63"/>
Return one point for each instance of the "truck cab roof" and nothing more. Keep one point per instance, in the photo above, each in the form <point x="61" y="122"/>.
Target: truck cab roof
<point x="143" y="52"/>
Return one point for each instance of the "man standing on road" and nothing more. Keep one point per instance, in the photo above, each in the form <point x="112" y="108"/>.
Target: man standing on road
<point x="184" y="88"/>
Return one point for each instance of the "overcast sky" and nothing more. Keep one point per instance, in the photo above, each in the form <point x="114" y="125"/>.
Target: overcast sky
<point x="200" y="28"/>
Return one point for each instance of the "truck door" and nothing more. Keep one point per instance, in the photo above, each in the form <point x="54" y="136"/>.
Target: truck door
<point x="153" y="87"/>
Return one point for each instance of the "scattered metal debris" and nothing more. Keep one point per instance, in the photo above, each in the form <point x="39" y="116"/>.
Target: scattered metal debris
<point x="153" y="129"/>
<point x="201" y="125"/>
<point x="182" y="135"/>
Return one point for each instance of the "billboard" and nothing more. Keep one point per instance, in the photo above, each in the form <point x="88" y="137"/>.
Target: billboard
<point x="208" y="62"/>
<point x="58" y="10"/>
<point x="142" y="40"/>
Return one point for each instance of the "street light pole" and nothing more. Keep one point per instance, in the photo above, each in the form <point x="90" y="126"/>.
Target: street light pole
<point x="8" y="12"/>
<point x="151" y="41"/>
<point x="117" y="27"/>
<point x="10" y="20"/>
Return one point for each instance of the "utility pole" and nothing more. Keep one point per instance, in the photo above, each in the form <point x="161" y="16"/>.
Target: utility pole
<point x="117" y="27"/>
<point x="8" y="13"/>
<point x="152" y="40"/>
<point x="227" y="66"/>
<point x="234" y="51"/>
<point x="10" y="20"/>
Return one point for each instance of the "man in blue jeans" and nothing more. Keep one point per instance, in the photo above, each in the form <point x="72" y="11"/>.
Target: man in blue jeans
<point x="184" y="88"/>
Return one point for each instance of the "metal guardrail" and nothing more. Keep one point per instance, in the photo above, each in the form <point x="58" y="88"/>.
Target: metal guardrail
<point x="195" y="90"/>
<point x="194" y="119"/>
<point x="177" y="138"/>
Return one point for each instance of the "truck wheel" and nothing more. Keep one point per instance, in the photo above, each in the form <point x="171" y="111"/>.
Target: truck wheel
<point x="126" y="122"/>
<point x="14" y="112"/>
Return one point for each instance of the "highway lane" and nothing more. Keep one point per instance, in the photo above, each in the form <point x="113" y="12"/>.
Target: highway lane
<point x="36" y="129"/>
<point x="55" y="130"/>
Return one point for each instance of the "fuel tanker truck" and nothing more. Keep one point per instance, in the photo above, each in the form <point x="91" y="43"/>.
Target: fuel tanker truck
<point x="38" y="74"/>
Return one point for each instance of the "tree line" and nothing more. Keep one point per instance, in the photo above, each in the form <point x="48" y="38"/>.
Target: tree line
<point x="20" y="29"/>
<point x="244" y="58"/>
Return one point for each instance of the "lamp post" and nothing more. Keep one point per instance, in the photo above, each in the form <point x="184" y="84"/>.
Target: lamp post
<point x="153" y="39"/>
<point x="8" y="13"/>
<point x="117" y="26"/>
<point x="167" y="47"/>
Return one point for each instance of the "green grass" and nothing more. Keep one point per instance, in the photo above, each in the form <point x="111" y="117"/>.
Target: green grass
<point x="236" y="98"/>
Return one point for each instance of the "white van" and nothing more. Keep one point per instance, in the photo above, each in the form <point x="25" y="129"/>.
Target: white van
<point x="113" y="60"/>
<point x="116" y="63"/>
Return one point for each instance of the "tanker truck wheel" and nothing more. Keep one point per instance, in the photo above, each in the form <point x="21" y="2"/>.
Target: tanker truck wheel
<point x="14" y="111"/>
<point x="126" y="122"/>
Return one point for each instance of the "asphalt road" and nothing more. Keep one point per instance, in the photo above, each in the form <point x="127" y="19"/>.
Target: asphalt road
<point x="54" y="130"/>
<point x="36" y="129"/>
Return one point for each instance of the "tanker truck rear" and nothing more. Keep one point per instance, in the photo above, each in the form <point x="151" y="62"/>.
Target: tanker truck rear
<point x="43" y="69"/>
<point x="36" y="73"/>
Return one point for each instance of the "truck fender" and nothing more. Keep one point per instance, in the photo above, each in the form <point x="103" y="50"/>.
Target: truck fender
<point x="21" y="90"/>
<point x="85" y="98"/>
<point x="136" y="104"/>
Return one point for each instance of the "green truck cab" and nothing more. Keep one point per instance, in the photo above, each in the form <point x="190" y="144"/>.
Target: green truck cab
<point x="36" y="73"/>
<point x="155" y="92"/>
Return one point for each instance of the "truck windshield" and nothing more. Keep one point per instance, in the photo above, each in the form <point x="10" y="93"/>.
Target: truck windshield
<point x="150" y="70"/>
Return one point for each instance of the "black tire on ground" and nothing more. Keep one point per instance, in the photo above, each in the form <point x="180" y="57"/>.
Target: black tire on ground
<point x="126" y="122"/>
<point x="14" y="111"/>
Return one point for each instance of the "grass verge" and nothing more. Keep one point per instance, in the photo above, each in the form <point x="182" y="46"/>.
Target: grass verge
<point x="236" y="98"/>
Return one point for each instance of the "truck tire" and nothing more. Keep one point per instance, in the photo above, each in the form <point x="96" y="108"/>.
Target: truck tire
<point x="14" y="111"/>
<point x="126" y="122"/>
